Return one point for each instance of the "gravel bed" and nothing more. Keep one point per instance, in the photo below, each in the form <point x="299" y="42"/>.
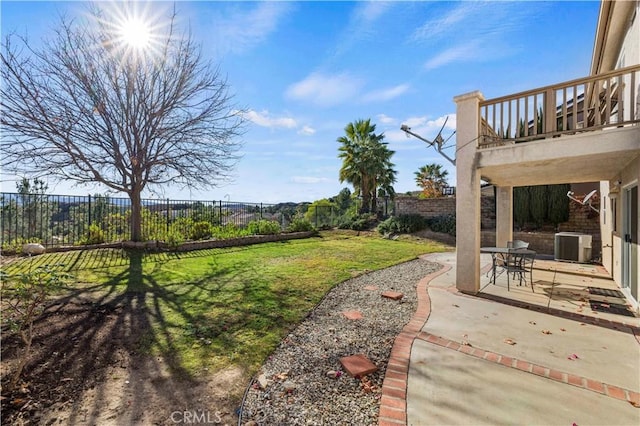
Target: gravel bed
<point x="302" y="382"/>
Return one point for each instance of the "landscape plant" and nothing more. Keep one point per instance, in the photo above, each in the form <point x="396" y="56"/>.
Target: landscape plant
<point x="263" y="227"/>
<point x="24" y="296"/>
<point x="402" y="224"/>
<point x="432" y="179"/>
<point x="366" y="163"/>
<point x="299" y="224"/>
<point x="443" y="223"/>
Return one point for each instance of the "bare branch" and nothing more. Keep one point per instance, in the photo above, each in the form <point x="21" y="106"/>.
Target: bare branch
<point x="86" y="108"/>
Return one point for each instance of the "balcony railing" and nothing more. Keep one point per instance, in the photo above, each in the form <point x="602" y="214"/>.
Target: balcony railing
<point x="610" y="99"/>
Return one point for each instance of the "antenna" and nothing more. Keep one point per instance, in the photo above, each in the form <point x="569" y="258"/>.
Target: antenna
<point x="438" y="141"/>
<point x="586" y="201"/>
<point x="589" y="195"/>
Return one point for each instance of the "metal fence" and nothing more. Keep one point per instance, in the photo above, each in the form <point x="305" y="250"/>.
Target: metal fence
<point x="60" y="220"/>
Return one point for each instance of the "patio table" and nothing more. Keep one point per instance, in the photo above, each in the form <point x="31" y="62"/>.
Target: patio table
<point x="506" y="258"/>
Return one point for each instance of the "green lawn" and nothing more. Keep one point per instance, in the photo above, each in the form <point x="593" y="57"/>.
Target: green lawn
<point x="212" y="308"/>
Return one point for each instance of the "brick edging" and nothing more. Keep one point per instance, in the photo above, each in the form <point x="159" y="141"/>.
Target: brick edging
<point x="393" y="402"/>
<point x="596" y="386"/>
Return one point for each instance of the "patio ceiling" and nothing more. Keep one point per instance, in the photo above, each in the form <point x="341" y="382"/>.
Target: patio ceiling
<point x="586" y="157"/>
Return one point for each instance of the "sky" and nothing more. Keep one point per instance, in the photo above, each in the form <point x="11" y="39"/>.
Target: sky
<point x="304" y="70"/>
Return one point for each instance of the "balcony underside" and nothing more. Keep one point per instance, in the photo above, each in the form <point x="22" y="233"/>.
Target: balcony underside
<point x="586" y="157"/>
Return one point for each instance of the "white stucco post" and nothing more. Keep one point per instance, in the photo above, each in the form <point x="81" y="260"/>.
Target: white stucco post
<point x="504" y="215"/>
<point x="467" y="193"/>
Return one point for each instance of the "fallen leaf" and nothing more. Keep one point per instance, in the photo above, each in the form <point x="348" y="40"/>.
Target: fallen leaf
<point x="509" y="342"/>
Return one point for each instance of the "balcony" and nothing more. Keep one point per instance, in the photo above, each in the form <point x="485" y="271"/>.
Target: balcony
<point x="608" y="100"/>
<point x="584" y="130"/>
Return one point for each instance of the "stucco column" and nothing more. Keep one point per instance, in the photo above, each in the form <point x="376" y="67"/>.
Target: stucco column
<point x="504" y="215"/>
<point x="467" y="193"/>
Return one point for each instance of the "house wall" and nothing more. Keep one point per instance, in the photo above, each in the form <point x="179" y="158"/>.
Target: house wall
<point x="613" y="191"/>
<point x="630" y="51"/>
<point x="613" y="238"/>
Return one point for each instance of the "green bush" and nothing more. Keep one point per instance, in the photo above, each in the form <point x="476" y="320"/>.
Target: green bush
<point x="445" y="223"/>
<point x="95" y="235"/>
<point x="201" y="231"/>
<point x="403" y="224"/>
<point x="174" y="238"/>
<point x="300" y="224"/>
<point x="228" y="231"/>
<point x="357" y="222"/>
<point x="263" y="227"/>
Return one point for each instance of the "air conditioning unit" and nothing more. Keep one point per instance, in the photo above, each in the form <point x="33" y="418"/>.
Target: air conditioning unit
<point x="572" y="247"/>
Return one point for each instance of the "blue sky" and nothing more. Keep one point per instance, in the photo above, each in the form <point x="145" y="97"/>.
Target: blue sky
<point x="303" y="70"/>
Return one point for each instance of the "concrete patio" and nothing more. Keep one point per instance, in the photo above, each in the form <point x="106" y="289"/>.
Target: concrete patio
<point x="516" y="357"/>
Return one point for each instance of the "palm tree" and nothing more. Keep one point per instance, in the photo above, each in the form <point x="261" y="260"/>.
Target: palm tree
<point x="366" y="162"/>
<point x="432" y="179"/>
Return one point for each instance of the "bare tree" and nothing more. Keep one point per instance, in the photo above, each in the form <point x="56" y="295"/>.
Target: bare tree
<point x="87" y="106"/>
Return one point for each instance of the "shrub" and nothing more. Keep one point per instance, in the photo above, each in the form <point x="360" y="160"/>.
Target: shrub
<point x="403" y="224"/>
<point x="444" y="223"/>
<point x="358" y="222"/>
<point x="27" y="295"/>
<point x="229" y="231"/>
<point x="201" y="231"/>
<point x="174" y="239"/>
<point x="95" y="235"/>
<point x="300" y="224"/>
<point x="263" y="227"/>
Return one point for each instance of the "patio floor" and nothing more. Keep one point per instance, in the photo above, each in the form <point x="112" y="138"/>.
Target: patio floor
<point x="515" y="357"/>
<point x="572" y="289"/>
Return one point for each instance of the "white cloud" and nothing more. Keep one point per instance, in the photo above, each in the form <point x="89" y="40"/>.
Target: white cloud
<point x="363" y="24"/>
<point x="309" y="179"/>
<point x="385" y="119"/>
<point x="476" y="30"/>
<point x="306" y="130"/>
<point x="243" y="31"/>
<point x="386" y="94"/>
<point x="424" y="127"/>
<point x="462" y="52"/>
<point x="368" y="12"/>
<point x="445" y="23"/>
<point x="264" y="119"/>
<point x="325" y="90"/>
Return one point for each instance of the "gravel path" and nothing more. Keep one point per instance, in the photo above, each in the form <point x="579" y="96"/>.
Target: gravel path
<point x="302" y="382"/>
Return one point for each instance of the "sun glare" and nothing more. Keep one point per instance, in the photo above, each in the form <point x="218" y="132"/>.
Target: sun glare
<point x="136" y="33"/>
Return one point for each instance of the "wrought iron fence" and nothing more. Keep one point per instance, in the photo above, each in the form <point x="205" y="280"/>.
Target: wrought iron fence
<point x="57" y="220"/>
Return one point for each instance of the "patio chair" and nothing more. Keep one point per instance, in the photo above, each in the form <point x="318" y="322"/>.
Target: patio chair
<point x="520" y="264"/>
<point x="517" y="244"/>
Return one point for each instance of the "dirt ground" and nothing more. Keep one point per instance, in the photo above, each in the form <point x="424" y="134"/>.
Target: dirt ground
<point x="86" y="369"/>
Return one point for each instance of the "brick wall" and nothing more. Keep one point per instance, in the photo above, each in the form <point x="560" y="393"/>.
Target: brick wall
<point x="432" y="207"/>
<point x="428" y="208"/>
<point x="581" y="219"/>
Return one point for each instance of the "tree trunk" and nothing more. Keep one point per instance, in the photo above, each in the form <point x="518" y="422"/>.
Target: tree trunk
<point x="374" y="197"/>
<point x="136" y="215"/>
<point x="366" y="195"/>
